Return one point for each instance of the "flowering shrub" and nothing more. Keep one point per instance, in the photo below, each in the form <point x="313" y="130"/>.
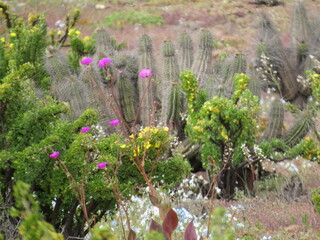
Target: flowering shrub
<point x="221" y="124"/>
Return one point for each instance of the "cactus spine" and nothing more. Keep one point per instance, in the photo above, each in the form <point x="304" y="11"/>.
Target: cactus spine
<point x="299" y="130"/>
<point x="186" y="48"/>
<point x="146" y="61"/>
<point x="275" y="123"/>
<point x="202" y="64"/>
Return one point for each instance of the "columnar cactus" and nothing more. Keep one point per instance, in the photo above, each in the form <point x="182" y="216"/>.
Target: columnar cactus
<point x="172" y="98"/>
<point x="275" y="123"/>
<point x="281" y="62"/>
<point x="202" y="64"/>
<point x="238" y="65"/>
<point x="186" y="52"/>
<point x="299" y="130"/>
<point x="103" y="44"/>
<point x="66" y="87"/>
<point x="128" y="95"/>
<point x="146" y="61"/>
<point x="255" y="82"/>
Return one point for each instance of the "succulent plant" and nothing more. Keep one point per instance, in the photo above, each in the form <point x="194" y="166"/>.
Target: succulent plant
<point x="299" y="130"/>
<point x="186" y="49"/>
<point x="275" y="123"/>
<point x="147" y="89"/>
<point x="202" y="63"/>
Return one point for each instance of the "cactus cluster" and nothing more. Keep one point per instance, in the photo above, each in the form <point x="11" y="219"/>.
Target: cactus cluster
<point x="159" y="99"/>
<point x="286" y="71"/>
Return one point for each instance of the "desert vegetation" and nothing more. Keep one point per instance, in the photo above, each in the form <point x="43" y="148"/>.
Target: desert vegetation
<point x="107" y="138"/>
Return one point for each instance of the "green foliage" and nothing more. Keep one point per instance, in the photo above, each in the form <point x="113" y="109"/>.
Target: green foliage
<point x="221" y="122"/>
<point x="315" y="198"/>
<point x="220" y="226"/>
<point x="315" y="84"/>
<point x="25" y="43"/>
<point x="102" y="232"/>
<point x="120" y="19"/>
<point x="79" y="48"/>
<point x="33" y="225"/>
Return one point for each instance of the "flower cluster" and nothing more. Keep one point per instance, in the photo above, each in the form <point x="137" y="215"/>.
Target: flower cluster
<point x="103" y="63"/>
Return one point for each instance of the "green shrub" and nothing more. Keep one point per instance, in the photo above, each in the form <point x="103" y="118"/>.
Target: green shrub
<point x="315" y="197"/>
<point x="121" y="19"/>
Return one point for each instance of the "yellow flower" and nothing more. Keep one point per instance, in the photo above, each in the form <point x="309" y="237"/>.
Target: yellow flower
<point x="136" y="152"/>
<point x="123" y="146"/>
<point x="166" y="129"/>
<point x="199" y="129"/>
<point x="71" y="31"/>
<point x="13" y="34"/>
<point x="11" y="45"/>
<point x="157" y="145"/>
<point x="307" y="139"/>
<point x="147" y="145"/>
<point x="59" y="33"/>
<point x="315" y="75"/>
<point x="77" y="32"/>
<point x="2" y="39"/>
<point x="86" y="38"/>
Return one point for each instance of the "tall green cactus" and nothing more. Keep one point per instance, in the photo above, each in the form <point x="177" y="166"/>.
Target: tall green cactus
<point x="128" y="95"/>
<point x="299" y="130"/>
<point x="255" y="81"/>
<point x="304" y="41"/>
<point x="147" y="89"/>
<point x="172" y="98"/>
<point x="202" y="64"/>
<point x="186" y="49"/>
<point x="238" y="65"/>
<point x="280" y="59"/>
<point x="275" y="123"/>
<point x="103" y="44"/>
<point x="300" y="26"/>
<point x="65" y="87"/>
<point x="222" y="82"/>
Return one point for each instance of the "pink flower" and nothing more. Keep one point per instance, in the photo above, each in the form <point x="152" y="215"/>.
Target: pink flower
<point x="104" y="62"/>
<point x="102" y="165"/>
<point x="85" y="129"/>
<point x="114" y="122"/>
<point x="86" y="61"/>
<point x="54" y="155"/>
<point x="145" y="73"/>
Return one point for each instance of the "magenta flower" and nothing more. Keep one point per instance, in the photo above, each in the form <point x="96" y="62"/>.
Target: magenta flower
<point x="145" y="73"/>
<point x="104" y="62"/>
<point x="102" y="165"/>
<point x="86" y="61"/>
<point x="85" y="129"/>
<point x="54" y="155"/>
<point x="114" y="122"/>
